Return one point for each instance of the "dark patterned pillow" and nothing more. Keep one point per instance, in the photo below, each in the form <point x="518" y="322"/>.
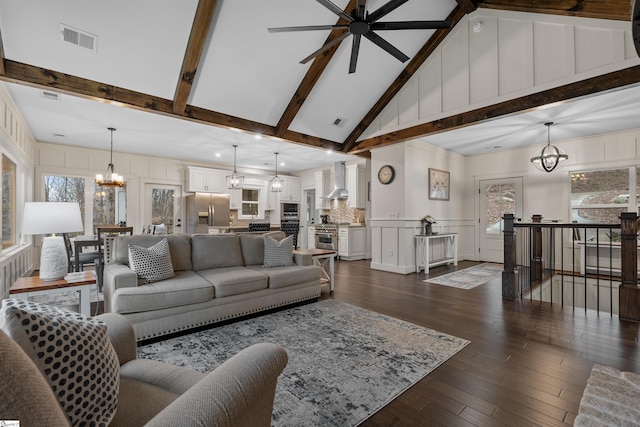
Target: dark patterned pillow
<point x="151" y="264"/>
<point x="278" y="253"/>
<point x="74" y="354"/>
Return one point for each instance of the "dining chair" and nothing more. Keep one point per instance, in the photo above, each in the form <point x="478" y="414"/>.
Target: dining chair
<point x="104" y="233"/>
<point x="84" y="258"/>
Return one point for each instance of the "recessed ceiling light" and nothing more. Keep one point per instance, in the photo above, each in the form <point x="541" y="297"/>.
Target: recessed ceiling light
<point x="329" y="152"/>
<point x="256" y="136"/>
<point x="217" y="154"/>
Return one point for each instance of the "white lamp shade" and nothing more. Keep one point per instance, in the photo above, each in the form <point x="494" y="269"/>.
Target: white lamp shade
<point x="51" y="217"/>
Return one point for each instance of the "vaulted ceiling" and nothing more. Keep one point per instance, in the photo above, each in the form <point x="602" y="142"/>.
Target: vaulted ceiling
<point x="213" y="62"/>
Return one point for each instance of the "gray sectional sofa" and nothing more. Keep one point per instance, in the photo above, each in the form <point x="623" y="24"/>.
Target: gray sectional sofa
<point x="217" y="277"/>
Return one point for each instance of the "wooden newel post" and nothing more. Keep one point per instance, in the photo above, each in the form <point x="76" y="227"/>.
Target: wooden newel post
<point x="629" y="295"/>
<point x="508" y="274"/>
<point x="536" y="262"/>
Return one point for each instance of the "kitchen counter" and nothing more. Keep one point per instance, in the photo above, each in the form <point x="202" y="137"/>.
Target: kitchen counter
<point x="217" y="229"/>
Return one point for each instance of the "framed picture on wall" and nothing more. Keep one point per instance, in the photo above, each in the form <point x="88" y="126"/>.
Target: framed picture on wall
<point x="438" y="184"/>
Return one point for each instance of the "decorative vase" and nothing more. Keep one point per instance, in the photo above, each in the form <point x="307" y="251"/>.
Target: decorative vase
<point x="427" y="229"/>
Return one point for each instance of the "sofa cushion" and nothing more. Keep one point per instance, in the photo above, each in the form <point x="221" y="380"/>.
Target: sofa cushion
<point x="253" y="246"/>
<point x="235" y="280"/>
<point x="151" y="264"/>
<point x="215" y="251"/>
<point x="73" y="353"/>
<point x="179" y="248"/>
<point x="281" y="277"/>
<point x="278" y="253"/>
<point x="187" y="287"/>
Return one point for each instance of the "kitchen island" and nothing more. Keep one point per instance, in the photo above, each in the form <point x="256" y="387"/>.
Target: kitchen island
<point x="219" y="229"/>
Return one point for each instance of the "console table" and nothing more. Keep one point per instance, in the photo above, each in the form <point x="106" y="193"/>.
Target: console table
<point x="424" y="255"/>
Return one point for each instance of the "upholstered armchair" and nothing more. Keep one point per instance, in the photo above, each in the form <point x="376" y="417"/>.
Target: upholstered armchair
<point x="240" y="392"/>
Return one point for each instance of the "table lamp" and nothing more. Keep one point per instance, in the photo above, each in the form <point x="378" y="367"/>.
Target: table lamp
<point x="51" y="218"/>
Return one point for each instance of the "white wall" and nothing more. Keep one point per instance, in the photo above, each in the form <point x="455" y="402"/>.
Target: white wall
<point x="514" y="54"/>
<point x="17" y="143"/>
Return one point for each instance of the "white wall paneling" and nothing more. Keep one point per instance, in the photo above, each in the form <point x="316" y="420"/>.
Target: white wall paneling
<point x="514" y="54"/>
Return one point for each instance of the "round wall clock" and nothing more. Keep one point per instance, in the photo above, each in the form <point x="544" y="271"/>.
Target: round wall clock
<point x="386" y="174"/>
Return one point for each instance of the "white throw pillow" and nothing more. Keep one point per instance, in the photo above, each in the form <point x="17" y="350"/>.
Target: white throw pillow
<point x="74" y="354"/>
<point x="278" y="253"/>
<point x="151" y="264"/>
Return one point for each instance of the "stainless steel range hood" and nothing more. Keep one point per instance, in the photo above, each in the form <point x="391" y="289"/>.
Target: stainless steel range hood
<point x="339" y="182"/>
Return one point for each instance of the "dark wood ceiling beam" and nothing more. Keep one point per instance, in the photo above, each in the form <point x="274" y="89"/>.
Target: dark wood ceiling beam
<point x="613" y="80"/>
<point x="619" y="10"/>
<point x="415" y="63"/>
<point x="1" y="55"/>
<point x="28" y="75"/>
<point x="467" y="6"/>
<point x="311" y="78"/>
<point x="199" y="30"/>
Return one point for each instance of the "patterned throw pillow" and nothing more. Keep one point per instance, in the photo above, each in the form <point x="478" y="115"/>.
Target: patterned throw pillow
<point x="278" y="253"/>
<point x="151" y="264"/>
<point x="74" y="354"/>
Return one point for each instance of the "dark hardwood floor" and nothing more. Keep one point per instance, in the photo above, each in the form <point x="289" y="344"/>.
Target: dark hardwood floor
<point x="527" y="364"/>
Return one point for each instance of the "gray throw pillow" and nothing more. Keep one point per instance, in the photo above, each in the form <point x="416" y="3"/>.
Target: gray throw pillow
<point x="73" y="353"/>
<point x="278" y="253"/>
<point x="151" y="264"/>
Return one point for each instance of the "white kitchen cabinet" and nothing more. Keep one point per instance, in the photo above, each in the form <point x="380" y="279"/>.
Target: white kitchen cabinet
<point x="205" y="180"/>
<point x="351" y="242"/>
<point x="357" y="186"/>
<point x="311" y="237"/>
<point x="323" y="187"/>
<point x="290" y="189"/>
<point x="235" y="199"/>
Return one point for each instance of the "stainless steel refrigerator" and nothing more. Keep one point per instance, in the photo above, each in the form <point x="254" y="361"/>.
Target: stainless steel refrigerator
<point x="205" y="210"/>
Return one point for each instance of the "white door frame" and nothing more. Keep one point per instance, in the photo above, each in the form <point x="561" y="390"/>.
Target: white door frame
<point x="178" y="207"/>
<point x="490" y="246"/>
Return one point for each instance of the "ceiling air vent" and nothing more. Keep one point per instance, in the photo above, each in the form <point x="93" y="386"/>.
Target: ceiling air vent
<point x="52" y="96"/>
<point x="339" y="122"/>
<point x="78" y="38"/>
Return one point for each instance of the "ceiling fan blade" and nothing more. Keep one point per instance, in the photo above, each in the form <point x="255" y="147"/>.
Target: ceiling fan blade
<point x="410" y="25"/>
<point x="361" y="9"/>
<point x="385" y="9"/>
<point x="355" y="48"/>
<point x="326" y="47"/>
<point x="308" y="28"/>
<point x="386" y="46"/>
<point x="335" y="9"/>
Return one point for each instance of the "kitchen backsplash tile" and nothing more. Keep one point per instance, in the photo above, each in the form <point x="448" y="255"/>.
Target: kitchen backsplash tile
<point x="341" y="212"/>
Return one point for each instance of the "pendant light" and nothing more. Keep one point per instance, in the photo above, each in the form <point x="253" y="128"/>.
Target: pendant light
<point x="235" y="180"/>
<point x="276" y="182"/>
<point x="549" y="157"/>
<point x="110" y="178"/>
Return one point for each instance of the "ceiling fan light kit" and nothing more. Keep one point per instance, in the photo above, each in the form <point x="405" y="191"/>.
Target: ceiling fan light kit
<point x="361" y="23"/>
<point x="549" y="156"/>
<point x="110" y="178"/>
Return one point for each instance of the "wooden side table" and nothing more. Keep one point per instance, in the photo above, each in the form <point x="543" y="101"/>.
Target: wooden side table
<point x="26" y="287"/>
<point x="322" y="257"/>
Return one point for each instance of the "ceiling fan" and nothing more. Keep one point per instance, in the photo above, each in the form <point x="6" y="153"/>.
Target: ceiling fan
<point x="361" y="23"/>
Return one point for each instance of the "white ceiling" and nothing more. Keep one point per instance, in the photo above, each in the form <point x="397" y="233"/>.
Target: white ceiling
<point x="248" y="73"/>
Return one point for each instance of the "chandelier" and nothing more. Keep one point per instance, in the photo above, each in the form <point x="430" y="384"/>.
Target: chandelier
<point x="549" y="157"/>
<point x="276" y="182"/>
<point x="235" y="180"/>
<point x="110" y="178"/>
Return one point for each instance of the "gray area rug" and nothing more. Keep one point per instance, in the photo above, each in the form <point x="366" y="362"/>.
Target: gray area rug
<point x="470" y="277"/>
<point x="345" y="362"/>
<point x="610" y="399"/>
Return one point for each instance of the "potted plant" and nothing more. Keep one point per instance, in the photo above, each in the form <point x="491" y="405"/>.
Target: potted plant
<point x="427" y="222"/>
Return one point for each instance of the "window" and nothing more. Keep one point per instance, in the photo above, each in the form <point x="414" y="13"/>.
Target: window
<point x="599" y="197"/>
<point x="107" y="204"/>
<point x="250" y="203"/>
<point x="8" y="203"/>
